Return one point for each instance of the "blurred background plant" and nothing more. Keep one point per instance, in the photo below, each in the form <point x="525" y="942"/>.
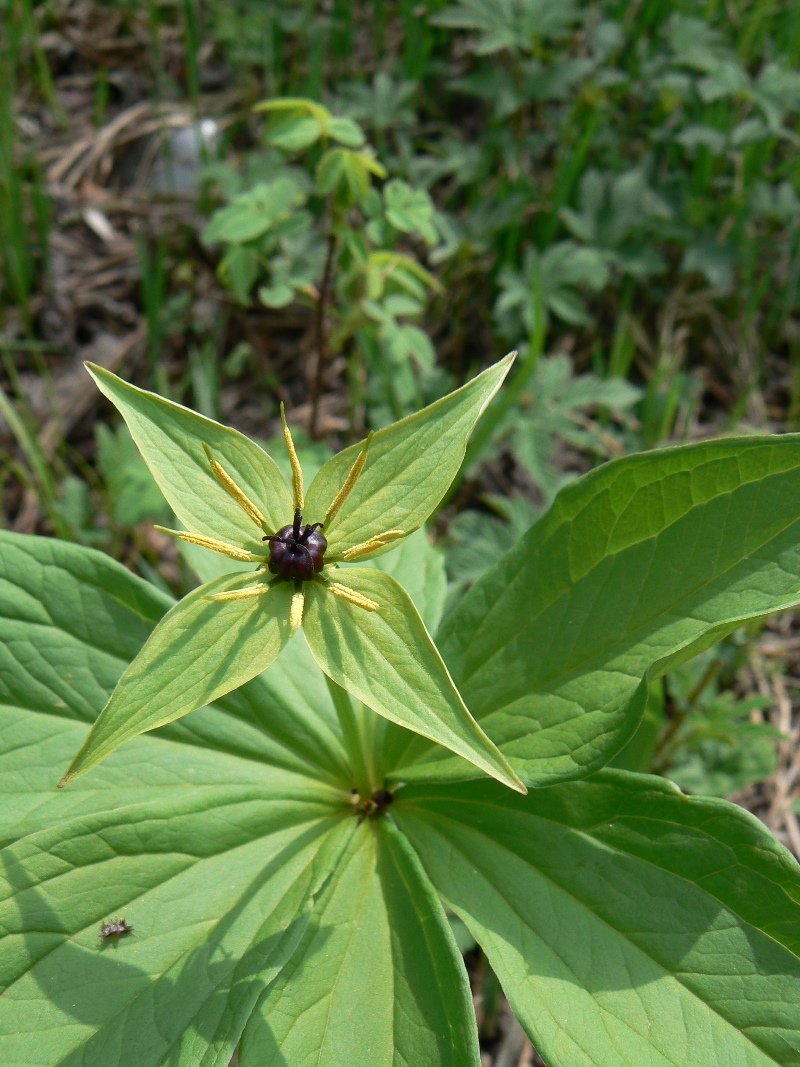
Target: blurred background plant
<point x="350" y="208"/>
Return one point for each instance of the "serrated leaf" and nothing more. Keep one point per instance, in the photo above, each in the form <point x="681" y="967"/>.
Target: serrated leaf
<point x="410" y="466"/>
<point x="171" y="439"/>
<point x="201" y="650"/>
<point x="629" y="925"/>
<point x="386" y="659"/>
<point x="377" y="980"/>
<point x="637" y="566"/>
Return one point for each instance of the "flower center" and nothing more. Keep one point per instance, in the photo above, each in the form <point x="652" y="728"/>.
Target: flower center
<point x="297" y="552"/>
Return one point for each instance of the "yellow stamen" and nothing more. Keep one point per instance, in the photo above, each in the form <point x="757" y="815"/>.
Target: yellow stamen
<point x="349" y="485"/>
<point x="213" y="544"/>
<point x="240" y="594"/>
<point x="297" y="470"/>
<point x="230" y="486"/>
<point x="374" y="543"/>
<point x="296" y="613"/>
<point x="346" y="593"/>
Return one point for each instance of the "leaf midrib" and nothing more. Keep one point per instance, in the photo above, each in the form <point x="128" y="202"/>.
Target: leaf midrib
<point x="598" y="918"/>
<point x="622" y="642"/>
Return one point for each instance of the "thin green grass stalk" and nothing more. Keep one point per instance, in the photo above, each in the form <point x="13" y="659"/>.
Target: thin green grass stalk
<point x="43" y="210"/>
<point x="341" y="38"/>
<point x="493" y="418"/>
<point x="191" y="25"/>
<point x="28" y="345"/>
<point x="571" y="166"/>
<point x="419" y="38"/>
<point x="44" y="77"/>
<point x="204" y="371"/>
<point x="14" y="246"/>
<point x="154" y="291"/>
<point x="623" y="348"/>
<point x="101" y="98"/>
<point x="317" y="51"/>
<point x="156" y="58"/>
<point x="753" y="33"/>
<point x="42" y="478"/>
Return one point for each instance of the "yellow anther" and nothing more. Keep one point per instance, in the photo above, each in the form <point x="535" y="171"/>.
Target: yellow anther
<point x="230" y="486"/>
<point x="346" y="593"/>
<point x="247" y="593"/>
<point x="296" y="613"/>
<point x="349" y="485"/>
<point x="297" y="470"/>
<point x="213" y="544"/>
<point x="374" y="543"/>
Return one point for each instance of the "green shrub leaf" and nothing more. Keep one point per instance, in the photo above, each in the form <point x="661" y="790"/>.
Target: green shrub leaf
<point x="627" y="923"/>
<point x="387" y="659"/>
<point x="377" y="980"/>
<point x="252" y="213"/>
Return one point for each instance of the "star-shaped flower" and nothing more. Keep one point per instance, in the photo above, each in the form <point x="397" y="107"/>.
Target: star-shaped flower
<point x="361" y="626"/>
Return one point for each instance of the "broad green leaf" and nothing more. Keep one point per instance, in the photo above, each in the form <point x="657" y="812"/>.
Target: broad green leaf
<point x="629" y="925"/>
<point x="201" y="650"/>
<point x="34" y="749"/>
<point x="387" y="659"/>
<point x="377" y="980"/>
<point x="409" y="468"/>
<point x="171" y="439"/>
<point x="637" y="566"/>
<point x="215" y="883"/>
<point x="72" y="619"/>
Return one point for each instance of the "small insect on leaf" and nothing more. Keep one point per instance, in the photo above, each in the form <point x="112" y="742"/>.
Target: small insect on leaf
<point x="114" y="930"/>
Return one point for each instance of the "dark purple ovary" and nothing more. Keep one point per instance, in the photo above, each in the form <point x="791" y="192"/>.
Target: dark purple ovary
<point x="297" y="557"/>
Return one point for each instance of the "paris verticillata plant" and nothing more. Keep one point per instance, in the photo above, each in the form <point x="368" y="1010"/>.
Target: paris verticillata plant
<point x="324" y="780"/>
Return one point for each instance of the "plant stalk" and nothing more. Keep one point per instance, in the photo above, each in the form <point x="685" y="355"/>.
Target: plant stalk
<point x="353" y="739"/>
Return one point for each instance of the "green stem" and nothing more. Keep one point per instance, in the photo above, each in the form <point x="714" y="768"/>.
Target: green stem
<point x="353" y="740"/>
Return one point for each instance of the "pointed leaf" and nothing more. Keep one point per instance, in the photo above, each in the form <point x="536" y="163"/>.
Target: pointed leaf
<point x="199" y="651"/>
<point x="637" y="566"/>
<point x="629" y="925"/>
<point x="409" y="468"/>
<point x="377" y="980"/>
<point x="34" y="749"/>
<point x="214" y="882"/>
<point x="387" y="659"/>
<point x="171" y="439"/>
<point x="72" y="619"/>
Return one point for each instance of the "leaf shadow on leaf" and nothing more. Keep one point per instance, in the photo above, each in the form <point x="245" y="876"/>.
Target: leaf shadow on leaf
<point x="82" y="973"/>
